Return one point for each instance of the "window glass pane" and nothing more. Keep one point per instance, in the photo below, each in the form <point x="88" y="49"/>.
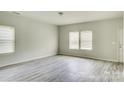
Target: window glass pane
<point x="7" y="39"/>
<point x="73" y="40"/>
<point x="86" y="40"/>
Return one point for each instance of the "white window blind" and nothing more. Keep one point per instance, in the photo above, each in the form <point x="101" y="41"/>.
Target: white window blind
<point x="86" y="40"/>
<point x="7" y="39"/>
<point x="73" y="40"/>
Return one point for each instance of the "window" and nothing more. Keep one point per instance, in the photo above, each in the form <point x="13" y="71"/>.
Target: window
<point x="7" y="39"/>
<point x="86" y="40"/>
<point x="73" y="40"/>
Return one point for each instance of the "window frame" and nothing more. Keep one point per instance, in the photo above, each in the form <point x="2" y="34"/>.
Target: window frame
<point x="69" y="40"/>
<point x="92" y="40"/>
<point x="13" y="41"/>
<point x="79" y="48"/>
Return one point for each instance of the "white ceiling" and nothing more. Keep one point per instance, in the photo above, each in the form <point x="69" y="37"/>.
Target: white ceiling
<point x="70" y="17"/>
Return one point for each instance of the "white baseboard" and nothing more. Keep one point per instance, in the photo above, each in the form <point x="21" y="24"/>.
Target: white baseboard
<point x="39" y="57"/>
<point x="88" y="57"/>
<point x="29" y="59"/>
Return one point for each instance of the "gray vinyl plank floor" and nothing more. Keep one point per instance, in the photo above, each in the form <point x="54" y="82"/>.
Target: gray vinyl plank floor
<point x="63" y="69"/>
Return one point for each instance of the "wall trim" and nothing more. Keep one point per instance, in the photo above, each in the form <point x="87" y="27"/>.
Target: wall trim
<point x="89" y="57"/>
<point x="28" y="59"/>
<point x="35" y="58"/>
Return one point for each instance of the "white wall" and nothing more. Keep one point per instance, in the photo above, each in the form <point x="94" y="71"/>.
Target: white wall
<point x="33" y="39"/>
<point x="123" y="39"/>
<point x="104" y="33"/>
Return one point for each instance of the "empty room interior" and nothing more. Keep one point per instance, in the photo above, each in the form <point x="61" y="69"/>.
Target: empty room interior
<point x="61" y="46"/>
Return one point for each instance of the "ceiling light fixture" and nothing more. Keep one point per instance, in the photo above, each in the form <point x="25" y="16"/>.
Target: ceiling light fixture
<point x="16" y="12"/>
<point x="61" y="13"/>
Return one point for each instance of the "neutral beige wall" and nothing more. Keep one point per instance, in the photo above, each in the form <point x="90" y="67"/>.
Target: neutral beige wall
<point x="104" y="33"/>
<point x="123" y="39"/>
<point x="33" y="39"/>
